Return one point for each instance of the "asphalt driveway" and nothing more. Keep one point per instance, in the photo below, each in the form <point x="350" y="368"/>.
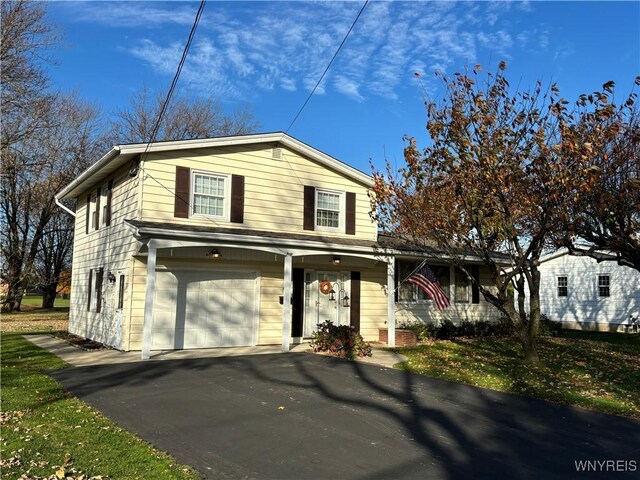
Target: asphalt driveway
<point x="303" y="416"/>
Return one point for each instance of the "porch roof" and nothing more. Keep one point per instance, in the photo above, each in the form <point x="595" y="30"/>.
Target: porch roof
<point x="384" y="246"/>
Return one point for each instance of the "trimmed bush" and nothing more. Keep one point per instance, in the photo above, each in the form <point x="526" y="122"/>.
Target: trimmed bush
<point x="339" y="340"/>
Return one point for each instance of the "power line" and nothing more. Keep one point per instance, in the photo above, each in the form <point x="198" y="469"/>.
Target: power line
<point x="185" y="52"/>
<point x="328" y="66"/>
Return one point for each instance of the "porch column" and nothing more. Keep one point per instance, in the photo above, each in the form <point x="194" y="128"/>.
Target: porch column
<point x="286" y="303"/>
<point x="148" y="300"/>
<point x="391" y="304"/>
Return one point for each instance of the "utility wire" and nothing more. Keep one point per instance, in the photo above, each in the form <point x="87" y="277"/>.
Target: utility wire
<point x="328" y="66"/>
<point x="185" y="52"/>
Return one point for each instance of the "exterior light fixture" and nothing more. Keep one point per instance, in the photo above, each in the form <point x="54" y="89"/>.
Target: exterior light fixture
<point x="336" y="260"/>
<point x="345" y="300"/>
<point x="111" y="277"/>
<point x="215" y="254"/>
<point x="332" y="295"/>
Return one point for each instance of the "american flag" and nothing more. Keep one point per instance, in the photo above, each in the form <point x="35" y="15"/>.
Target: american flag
<point x="427" y="282"/>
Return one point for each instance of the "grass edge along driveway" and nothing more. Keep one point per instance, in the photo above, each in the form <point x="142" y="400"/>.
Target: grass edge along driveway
<point x="46" y="432"/>
<point x="597" y="372"/>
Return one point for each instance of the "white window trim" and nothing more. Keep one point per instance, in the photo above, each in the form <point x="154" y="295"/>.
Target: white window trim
<point x="563" y="275"/>
<point x="227" y="195"/>
<point x="341" y="213"/>
<point x="467" y="289"/>
<point x="603" y="274"/>
<point x="102" y="221"/>
<point x="93" y="306"/>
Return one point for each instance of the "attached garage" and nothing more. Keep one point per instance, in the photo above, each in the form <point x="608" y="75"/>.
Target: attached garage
<point x="205" y="309"/>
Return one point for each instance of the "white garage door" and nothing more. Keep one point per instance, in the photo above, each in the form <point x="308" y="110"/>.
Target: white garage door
<point x="202" y="309"/>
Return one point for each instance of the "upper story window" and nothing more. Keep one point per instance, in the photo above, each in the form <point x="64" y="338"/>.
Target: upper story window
<point x="328" y="209"/>
<point x="210" y="194"/>
<point x="99" y="207"/>
<point x="563" y="286"/>
<point x="604" y="285"/>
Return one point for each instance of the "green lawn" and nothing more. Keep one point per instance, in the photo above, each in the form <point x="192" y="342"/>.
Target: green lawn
<point x="45" y="431"/>
<point x="587" y="370"/>
<point x="35" y="301"/>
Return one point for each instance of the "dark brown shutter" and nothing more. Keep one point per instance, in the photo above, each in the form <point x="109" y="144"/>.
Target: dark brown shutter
<point x="88" y="216"/>
<point x="121" y="293"/>
<point x="107" y="213"/>
<point x="237" y="198"/>
<point x="89" y="290"/>
<point x="355" y="300"/>
<point x="309" y="208"/>
<point x="297" y="307"/>
<point x="183" y="182"/>
<point x="350" y="217"/>
<point x="99" y="276"/>
<point x="475" y="291"/>
<point x="96" y="217"/>
<point x="396" y="276"/>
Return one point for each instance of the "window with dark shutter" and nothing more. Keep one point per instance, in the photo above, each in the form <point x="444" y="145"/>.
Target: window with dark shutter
<point x="89" y="290"/>
<point x="183" y="180"/>
<point x="237" y="199"/>
<point x="309" y="207"/>
<point x="88" y="215"/>
<point x="99" y="276"/>
<point x="121" y="292"/>
<point x="350" y="216"/>
<point x="107" y="211"/>
<point x="475" y="290"/>
<point x="96" y="214"/>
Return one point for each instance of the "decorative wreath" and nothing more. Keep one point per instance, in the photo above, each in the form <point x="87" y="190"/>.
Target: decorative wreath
<point x="326" y="287"/>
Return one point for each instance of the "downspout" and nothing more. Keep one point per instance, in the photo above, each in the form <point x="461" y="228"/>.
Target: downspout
<point x="64" y="207"/>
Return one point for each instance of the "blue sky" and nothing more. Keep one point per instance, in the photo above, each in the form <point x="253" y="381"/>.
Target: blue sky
<point x="268" y="55"/>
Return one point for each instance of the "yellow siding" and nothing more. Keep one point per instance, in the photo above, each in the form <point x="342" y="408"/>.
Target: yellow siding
<point x="273" y="188"/>
<point x="108" y="247"/>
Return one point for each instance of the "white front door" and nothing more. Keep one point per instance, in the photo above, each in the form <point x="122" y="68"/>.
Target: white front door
<point x="329" y="305"/>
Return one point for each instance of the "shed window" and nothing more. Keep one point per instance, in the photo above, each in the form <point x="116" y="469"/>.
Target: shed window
<point x="604" y="284"/>
<point x="563" y="286"/>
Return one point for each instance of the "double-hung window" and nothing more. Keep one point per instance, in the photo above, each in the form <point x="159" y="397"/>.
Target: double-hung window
<point x="563" y="286"/>
<point x="461" y="287"/>
<point x="329" y="209"/>
<point x="604" y="285"/>
<point x="210" y="196"/>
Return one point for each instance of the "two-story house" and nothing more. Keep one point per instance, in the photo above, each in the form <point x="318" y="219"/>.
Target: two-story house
<point x="231" y="241"/>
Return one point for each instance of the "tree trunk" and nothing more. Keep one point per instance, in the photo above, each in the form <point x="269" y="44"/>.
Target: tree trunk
<point x="12" y="301"/>
<point x="529" y="346"/>
<point x="49" y="295"/>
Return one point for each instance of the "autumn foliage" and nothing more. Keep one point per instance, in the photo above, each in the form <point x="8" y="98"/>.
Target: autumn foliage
<point x="504" y="171"/>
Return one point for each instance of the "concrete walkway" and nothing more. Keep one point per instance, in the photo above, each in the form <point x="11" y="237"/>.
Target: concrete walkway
<point x="79" y="358"/>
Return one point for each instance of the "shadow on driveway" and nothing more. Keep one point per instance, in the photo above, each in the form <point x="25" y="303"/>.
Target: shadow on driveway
<point x="301" y="416"/>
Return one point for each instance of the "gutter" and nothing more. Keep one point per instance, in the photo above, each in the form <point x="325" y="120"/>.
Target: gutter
<point x="63" y="207"/>
<point x="110" y="155"/>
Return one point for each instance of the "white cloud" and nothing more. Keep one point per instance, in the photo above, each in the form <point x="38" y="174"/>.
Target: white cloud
<point x="242" y="48"/>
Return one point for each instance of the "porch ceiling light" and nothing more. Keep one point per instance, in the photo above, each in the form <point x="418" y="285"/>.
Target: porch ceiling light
<point x="215" y="254"/>
<point x="336" y="260"/>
